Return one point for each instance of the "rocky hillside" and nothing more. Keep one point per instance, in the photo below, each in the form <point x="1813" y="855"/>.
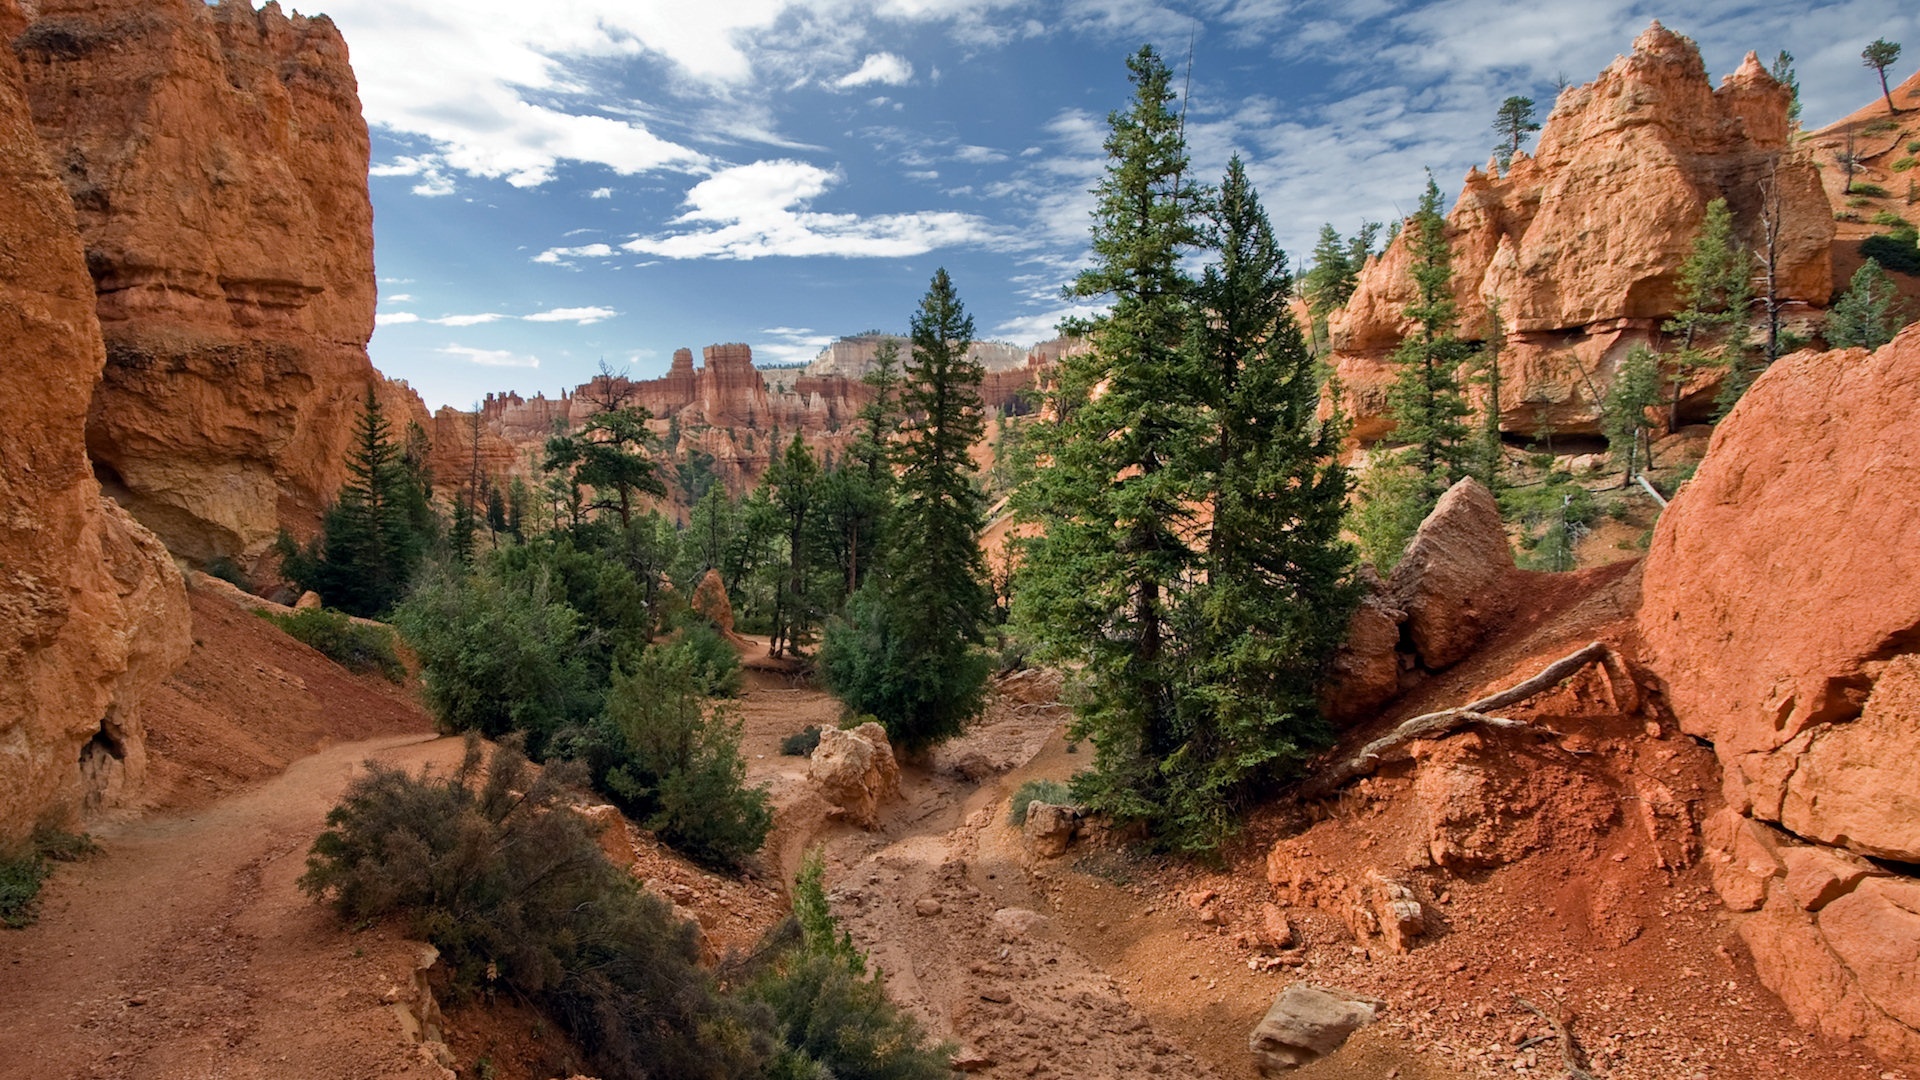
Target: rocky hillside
<point x="1580" y="245"/>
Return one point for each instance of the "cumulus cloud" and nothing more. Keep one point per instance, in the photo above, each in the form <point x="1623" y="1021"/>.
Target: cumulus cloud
<point x="758" y="210"/>
<point x="395" y="318"/>
<point x="583" y="316"/>
<point x="468" y="320"/>
<point x="600" y="193"/>
<point x="978" y="155"/>
<point x="561" y="254"/>
<point x="886" y="69"/>
<point x="489" y="357"/>
<point x="789" y="345"/>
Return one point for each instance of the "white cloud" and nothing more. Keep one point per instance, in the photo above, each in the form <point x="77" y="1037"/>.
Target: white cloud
<point x="885" y="69"/>
<point x="395" y="318"/>
<point x="468" y="320"/>
<point x="789" y="345"/>
<point x="560" y="254"/>
<point x="600" y="193"/>
<point x="584" y="316"/>
<point x="490" y="357"/>
<point x="758" y="210"/>
<point x="400" y="298"/>
<point x="978" y="155"/>
<point x="1033" y="329"/>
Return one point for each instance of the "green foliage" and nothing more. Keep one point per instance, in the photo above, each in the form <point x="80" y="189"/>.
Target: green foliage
<point x="1389" y="506"/>
<point x="21" y="875"/>
<point x="228" y="571"/>
<point x="498" y="656"/>
<point x="801" y="743"/>
<point x="1896" y="253"/>
<point x="1512" y="122"/>
<point x="1715" y="288"/>
<point x="359" y="648"/>
<point x="1879" y="56"/>
<point x="611" y="453"/>
<point x="1051" y="792"/>
<point x="515" y="894"/>
<point x="1426" y="400"/>
<point x="907" y="650"/>
<point x="671" y="759"/>
<point x="1889" y="218"/>
<point x="1337" y="263"/>
<point x="791" y="488"/>
<point x="1554" y="515"/>
<point x="1636" y="389"/>
<point x="1782" y="71"/>
<point x="716" y="666"/>
<point x="376" y="533"/>
<point x="1870" y="191"/>
<point x="834" y="1020"/>
<point x="1865" y="316"/>
<point x="1903" y="164"/>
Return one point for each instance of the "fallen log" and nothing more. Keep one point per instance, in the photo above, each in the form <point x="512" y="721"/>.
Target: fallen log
<point x="1370" y="757"/>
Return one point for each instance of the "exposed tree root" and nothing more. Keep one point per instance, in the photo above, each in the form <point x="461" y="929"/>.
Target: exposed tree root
<point x="1569" y="1049"/>
<point x="1429" y="725"/>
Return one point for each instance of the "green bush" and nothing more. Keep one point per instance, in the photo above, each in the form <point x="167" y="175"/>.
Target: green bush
<point x="1845" y="215"/>
<point x="1914" y="147"/>
<point x="876" y="660"/>
<point x="715" y="663"/>
<point x="1889" y="218"/>
<point x="801" y="743"/>
<point x="670" y="759"/>
<point x="1051" y="792"/>
<point x="1554" y="515"/>
<point x="498" y="657"/>
<point x="516" y="895"/>
<point x="1859" y="201"/>
<point x="25" y="868"/>
<point x="1903" y="164"/>
<point x="228" y="571"/>
<point x="359" y="648"/>
<point x="1871" y="191"/>
<point x="1892" y="252"/>
<point x="833" y="1019"/>
<point x="1387" y="511"/>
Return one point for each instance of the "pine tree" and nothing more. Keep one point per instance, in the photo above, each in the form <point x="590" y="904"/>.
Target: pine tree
<point x="1337" y="263"/>
<point x="1278" y="587"/>
<point x="1623" y="416"/>
<point x="906" y="652"/>
<point x="1427" y="403"/>
<point x="1513" y="122"/>
<point x="792" y="485"/>
<point x="1880" y="56"/>
<point x="1783" y="74"/>
<point x="610" y="454"/>
<point x="1112" y="493"/>
<point x="1864" y="316"/>
<point x="1715" y="286"/>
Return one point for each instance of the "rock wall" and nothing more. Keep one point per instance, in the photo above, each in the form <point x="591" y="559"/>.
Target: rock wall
<point x="1581" y="244"/>
<point x="93" y="614"/>
<point x="217" y="161"/>
<point x="1782" y="609"/>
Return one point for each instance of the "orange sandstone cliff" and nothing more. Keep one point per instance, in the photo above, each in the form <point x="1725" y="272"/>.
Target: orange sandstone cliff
<point x="1581" y="244"/>
<point x="1782" y="609"/>
<point x="93" y="614"/>
<point x="217" y="164"/>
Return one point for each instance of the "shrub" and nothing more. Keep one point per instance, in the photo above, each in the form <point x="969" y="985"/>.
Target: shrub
<point x="1871" y="191"/>
<point x="833" y="1019"/>
<point x="1892" y="252"/>
<point x="498" y="657"/>
<point x="516" y="895"/>
<point x="1914" y="147"/>
<point x="671" y="760"/>
<point x="715" y="663"/>
<point x="1388" y="510"/>
<point x="24" y="869"/>
<point x="876" y="660"/>
<point x="1859" y="201"/>
<point x="1880" y="126"/>
<point x="1903" y="164"/>
<point x="359" y="648"/>
<point x="801" y="743"/>
<point x="1051" y="792"/>
<point x="1845" y="215"/>
<point x="228" y="571"/>
<point x="1888" y="218"/>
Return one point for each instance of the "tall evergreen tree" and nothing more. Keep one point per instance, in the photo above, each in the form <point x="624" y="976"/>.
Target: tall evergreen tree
<point x="906" y="651"/>
<point x="1278" y="589"/>
<point x="1513" y="122"/>
<point x="1113" y="494"/>
<point x="792" y="485"/>
<point x="1716" y="283"/>
<point x="1329" y="283"/>
<point x="1782" y="72"/>
<point x="1880" y="56"/>
<point x="1427" y="403"/>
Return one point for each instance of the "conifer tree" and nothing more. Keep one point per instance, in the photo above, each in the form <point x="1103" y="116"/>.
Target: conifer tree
<point x="1113" y="489"/>
<point x="1782" y="72"/>
<point x="1427" y="403"/>
<point x="906" y="651"/>
<point x="1623" y="416"/>
<point x="1513" y="122"/>
<point x="792" y="485"/>
<point x="1329" y="283"/>
<point x="1864" y="316"/>
<point x="1880" y="56"/>
<point x="1715" y="286"/>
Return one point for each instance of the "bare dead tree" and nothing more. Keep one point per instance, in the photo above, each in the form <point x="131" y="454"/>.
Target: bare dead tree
<point x="1768" y="255"/>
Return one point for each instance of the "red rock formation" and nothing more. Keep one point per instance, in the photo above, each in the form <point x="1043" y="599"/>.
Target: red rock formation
<point x="92" y="612"/>
<point x="1782" y="608"/>
<point x="1581" y="245"/>
<point x="217" y="162"/>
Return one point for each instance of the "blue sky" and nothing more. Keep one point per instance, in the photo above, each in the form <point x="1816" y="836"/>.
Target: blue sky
<point x="558" y="182"/>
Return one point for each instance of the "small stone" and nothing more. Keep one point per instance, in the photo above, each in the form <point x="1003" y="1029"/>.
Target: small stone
<point x="926" y="906"/>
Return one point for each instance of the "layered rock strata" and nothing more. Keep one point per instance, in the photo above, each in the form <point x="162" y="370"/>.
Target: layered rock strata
<point x="1580" y="245"/>
<point x="216" y="161"/>
<point x="93" y="614"/>
<point x="1782" y="609"/>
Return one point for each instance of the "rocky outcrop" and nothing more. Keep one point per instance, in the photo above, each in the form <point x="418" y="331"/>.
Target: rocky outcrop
<point x="1453" y="583"/>
<point x="1581" y="244"/>
<point x="1782" y="609"/>
<point x="856" y="772"/>
<point x="1306" y="1023"/>
<point x="710" y="602"/>
<point x="216" y="160"/>
<point x="93" y="614"/>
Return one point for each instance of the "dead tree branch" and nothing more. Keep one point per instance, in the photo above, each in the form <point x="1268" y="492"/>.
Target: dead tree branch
<point x="1430" y="725"/>
<point x="1569" y="1050"/>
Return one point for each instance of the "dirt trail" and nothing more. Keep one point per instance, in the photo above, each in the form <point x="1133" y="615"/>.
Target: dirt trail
<point x="185" y="949"/>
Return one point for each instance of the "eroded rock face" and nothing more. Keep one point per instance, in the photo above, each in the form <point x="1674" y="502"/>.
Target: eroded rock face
<point x="710" y="602"/>
<point x="1781" y="606"/>
<point x="1581" y="245"/>
<point x="1453" y="583"/>
<point x="92" y="612"/>
<point x="216" y="161"/>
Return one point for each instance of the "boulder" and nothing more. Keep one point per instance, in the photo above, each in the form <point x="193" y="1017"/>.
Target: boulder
<point x="1365" y="671"/>
<point x="710" y="602"/>
<point x="1306" y="1023"/>
<point x="856" y="771"/>
<point x="308" y="600"/>
<point x="93" y="613"/>
<point x="1049" y="829"/>
<point x="1455" y="579"/>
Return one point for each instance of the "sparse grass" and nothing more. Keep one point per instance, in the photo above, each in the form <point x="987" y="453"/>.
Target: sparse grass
<point x="1859" y="201"/>
<point x="1880" y="126"/>
<point x="1846" y="215"/>
<point x="1888" y="218"/>
<point x="1051" y="792"/>
<point x="801" y="743"/>
<point x="1903" y="164"/>
<point x="1871" y="191"/>
<point x="355" y="646"/>
<point x="25" y="869"/>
